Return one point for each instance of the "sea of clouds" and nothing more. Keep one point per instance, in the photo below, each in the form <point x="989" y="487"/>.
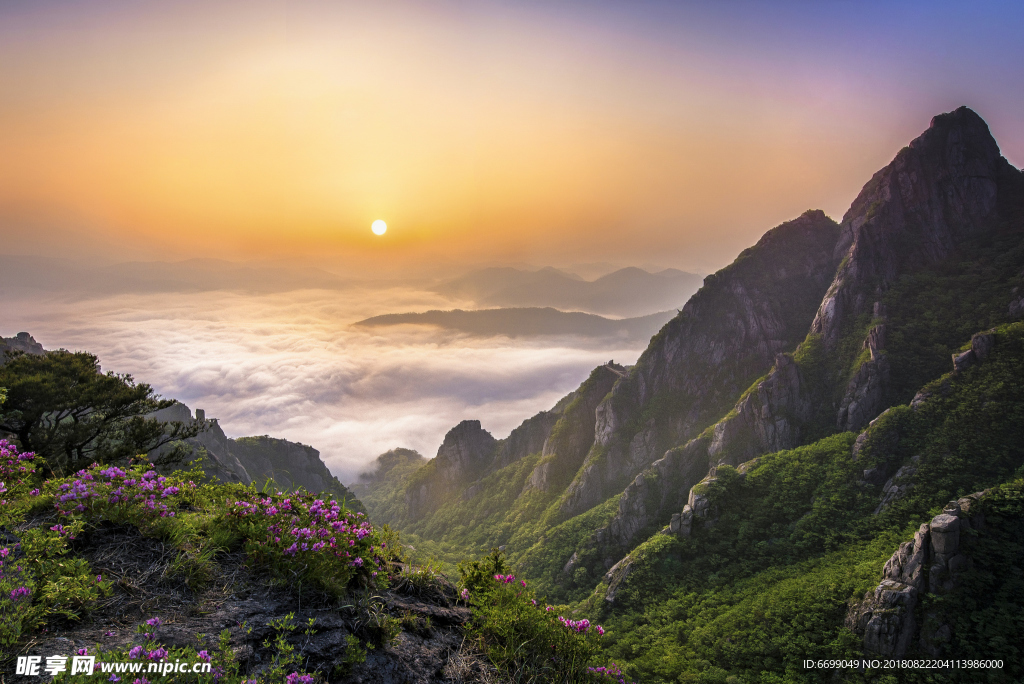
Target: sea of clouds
<point x="292" y="365"/>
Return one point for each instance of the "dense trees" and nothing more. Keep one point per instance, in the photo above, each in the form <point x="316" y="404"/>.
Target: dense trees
<point x="62" y="407"/>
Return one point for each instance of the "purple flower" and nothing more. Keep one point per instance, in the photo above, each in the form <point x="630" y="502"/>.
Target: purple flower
<point x="136" y="652"/>
<point x="204" y="655"/>
<point x="154" y="622"/>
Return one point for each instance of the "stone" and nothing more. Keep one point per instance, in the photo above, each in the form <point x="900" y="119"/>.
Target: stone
<point x="945" y="533"/>
<point x="963" y="360"/>
<point x="1016" y="309"/>
<point x="981" y="345"/>
<point x="885" y="618"/>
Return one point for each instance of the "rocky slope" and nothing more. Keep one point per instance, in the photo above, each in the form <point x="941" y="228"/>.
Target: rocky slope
<point x="255" y="460"/>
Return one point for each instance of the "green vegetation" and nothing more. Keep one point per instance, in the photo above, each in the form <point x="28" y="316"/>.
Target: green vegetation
<point x="526" y="640"/>
<point x="766" y="580"/>
<point x="61" y="407"/>
<point x="934" y="311"/>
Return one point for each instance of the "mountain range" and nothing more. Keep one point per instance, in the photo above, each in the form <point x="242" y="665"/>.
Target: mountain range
<point x="528" y="322"/>
<point x="819" y="456"/>
<point x="626" y="292"/>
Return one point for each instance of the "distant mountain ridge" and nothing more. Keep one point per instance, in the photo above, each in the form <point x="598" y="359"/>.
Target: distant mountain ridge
<point x="526" y="322"/>
<point x="627" y="292"/>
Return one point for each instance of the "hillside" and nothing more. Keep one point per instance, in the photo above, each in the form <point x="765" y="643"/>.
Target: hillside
<point x="257" y="460"/>
<point x="792" y="350"/>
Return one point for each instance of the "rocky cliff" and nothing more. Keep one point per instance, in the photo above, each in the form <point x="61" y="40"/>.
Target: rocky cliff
<point x="256" y="460"/>
<point x="22" y="342"/>
<point x="728" y="334"/>
<point x="948" y="186"/>
<point x="890" y="619"/>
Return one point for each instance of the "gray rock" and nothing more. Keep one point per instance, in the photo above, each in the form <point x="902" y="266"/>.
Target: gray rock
<point x="940" y="190"/>
<point x="731" y="318"/>
<point x="964" y="360"/>
<point x="615" y="577"/>
<point x="896" y="487"/>
<point x="982" y="344"/>
<point x="865" y="392"/>
<point x="885" y="618"/>
<point x="945" y="533"/>
<point x="1016" y="309"/>
<point x="22" y="342"/>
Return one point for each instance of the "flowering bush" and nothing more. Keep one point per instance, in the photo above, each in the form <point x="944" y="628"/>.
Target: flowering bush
<point x="519" y="635"/>
<point x="137" y="494"/>
<point x="17" y="476"/>
<point x="37" y="579"/>
<point x="332" y="545"/>
<point x="224" y="665"/>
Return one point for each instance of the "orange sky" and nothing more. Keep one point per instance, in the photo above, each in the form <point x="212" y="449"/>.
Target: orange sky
<point x="501" y="133"/>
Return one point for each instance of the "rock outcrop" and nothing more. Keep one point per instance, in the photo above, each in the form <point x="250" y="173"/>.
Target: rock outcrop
<point x="255" y="460"/>
<point x="211" y="444"/>
<point x="888" y="617"/>
<point x="572" y="436"/>
<point x="22" y="342"/>
<point x="464" y="456"/>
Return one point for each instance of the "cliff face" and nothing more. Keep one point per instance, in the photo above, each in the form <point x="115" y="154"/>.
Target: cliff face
<point x="289" y="464"/>
<point x="948" y="186"/>
<point x="464" y="455"/>
<point x="255" y="460"/>
<point x="887" y="618"/>
<point x="806" y="334"/>
<point x="726" y="336"/>
<point x="572" y="436"/>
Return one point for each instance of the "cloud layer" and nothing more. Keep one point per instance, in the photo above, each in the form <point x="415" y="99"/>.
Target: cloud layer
<point x="291" y="365"/>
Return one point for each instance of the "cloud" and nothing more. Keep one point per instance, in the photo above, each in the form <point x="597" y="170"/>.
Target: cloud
<point x="292" y="365"/>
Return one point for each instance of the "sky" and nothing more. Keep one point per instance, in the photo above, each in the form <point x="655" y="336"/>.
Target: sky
<point x="544" y="133"/>
<point x="580" y="135"/>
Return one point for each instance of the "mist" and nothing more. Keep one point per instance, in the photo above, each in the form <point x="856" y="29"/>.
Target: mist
<point x="292" y="364"/>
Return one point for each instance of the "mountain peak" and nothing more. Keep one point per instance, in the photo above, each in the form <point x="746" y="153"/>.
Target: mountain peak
<point x="949" y="185"/>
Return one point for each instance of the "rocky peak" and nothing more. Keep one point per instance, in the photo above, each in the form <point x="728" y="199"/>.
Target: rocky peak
<point x="948" y="185"/>
<point x="466" y="452"/>
<point x="21" y="342"/>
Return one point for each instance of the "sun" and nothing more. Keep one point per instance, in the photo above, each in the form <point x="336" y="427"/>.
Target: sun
<point x="378" y="227"/>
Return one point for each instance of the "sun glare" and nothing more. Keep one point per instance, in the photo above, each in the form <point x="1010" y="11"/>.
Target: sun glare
<point x="378" y="227"/>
